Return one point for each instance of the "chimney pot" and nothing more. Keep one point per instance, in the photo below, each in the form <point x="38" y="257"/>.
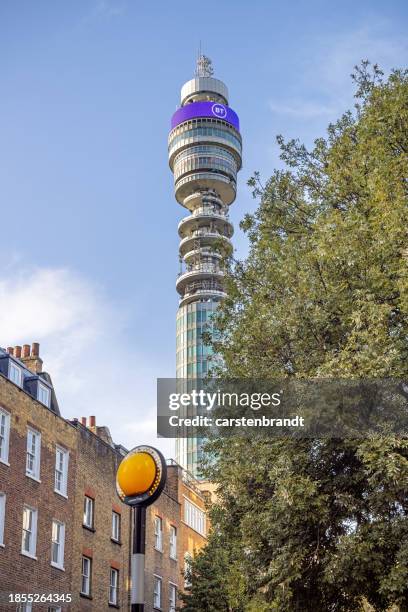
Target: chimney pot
<point x="92" y="421"/>
<point x="32" y="360"/>
<point x="17" y="351"/>
<point x="10" y="350"/>
<point x="83" y="421"/>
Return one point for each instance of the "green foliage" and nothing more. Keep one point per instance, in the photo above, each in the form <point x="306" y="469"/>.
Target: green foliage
<point x="208" y="589"/>
<point x="318" y="525"/>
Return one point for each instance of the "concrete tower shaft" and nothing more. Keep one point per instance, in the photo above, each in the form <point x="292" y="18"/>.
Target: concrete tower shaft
<point x="205" y="155"/>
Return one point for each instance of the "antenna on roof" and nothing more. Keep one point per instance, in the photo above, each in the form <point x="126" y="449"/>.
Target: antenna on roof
<point x="204" y="67"/>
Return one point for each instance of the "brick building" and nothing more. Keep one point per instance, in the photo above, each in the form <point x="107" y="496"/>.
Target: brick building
<point x="63" y="529"/>
<point x="33" y="511"/>
<point x="175" y="530"/>
<point x="101" y="540"/>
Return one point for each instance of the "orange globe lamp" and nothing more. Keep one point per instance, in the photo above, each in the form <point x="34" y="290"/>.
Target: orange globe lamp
<point x="141" y="476"/>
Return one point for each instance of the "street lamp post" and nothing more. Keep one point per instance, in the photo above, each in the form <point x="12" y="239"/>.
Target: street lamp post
<point x="140" y="479"/>
<point x="138" y="558"/>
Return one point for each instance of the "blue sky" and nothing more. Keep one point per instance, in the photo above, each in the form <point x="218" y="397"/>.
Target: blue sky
<point x="88" y="219"/>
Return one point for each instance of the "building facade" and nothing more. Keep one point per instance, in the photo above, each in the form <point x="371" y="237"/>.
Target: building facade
<point x="63" y="529"/>
<point x="36" y="508"/>
<point x="205" y="154"/>
<point x="175" y="530"/>
<point x="102" y="537"/>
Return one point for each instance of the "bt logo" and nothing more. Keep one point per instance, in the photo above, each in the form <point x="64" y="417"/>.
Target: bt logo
<point x="219" y="111"/>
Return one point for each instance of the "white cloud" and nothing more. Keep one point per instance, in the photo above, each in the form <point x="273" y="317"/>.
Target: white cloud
<point x="302" y="110"/>
<point x="375" y="41"/>
<point x="100" y="10"/>
<point x="95" y="369"/>
<point x="327" y="67"/>
<point x="109" y="8"/>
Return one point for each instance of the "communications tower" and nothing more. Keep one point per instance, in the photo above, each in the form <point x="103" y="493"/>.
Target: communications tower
<point x="205" y="154"/>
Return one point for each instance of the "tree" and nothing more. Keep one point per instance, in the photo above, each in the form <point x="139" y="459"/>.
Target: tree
<point x="206" y="588"/>
<point x="320" y="525"/>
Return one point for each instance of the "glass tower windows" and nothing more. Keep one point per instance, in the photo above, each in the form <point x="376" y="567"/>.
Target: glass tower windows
<point x="195" y="162"/>
<point x="191" y="352"/>
<point x="204" y="132"/>
<point x="208" y="150"/>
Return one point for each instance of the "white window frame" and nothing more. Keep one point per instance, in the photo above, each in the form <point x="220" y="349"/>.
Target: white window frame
<point x="35" y="471"/>
<point x="60" y="543"/>
<point x="2" y="517"/>
<point x="18" y="370"/>
<point x="25" y="607"/>
<point x="194" y="517"/>
<point x="114" y="586"/>
<point x="172" y="600"/>
<point x="116" y="526"/>
<point x="5" y="436"/>
<point x="158" y="533"/>
<point x="41" y="388"/>
<point x="33" y="533"/>
<point x="173" y="542"/>
<point x="157" y="592"/>
<point x="88" y="577"/>
<point x="89" y="517"/>
<point x="61" y="469"/>
<point x="54" y="609"/>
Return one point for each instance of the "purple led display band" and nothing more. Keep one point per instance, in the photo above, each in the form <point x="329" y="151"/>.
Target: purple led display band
<point x="205" y="109"/>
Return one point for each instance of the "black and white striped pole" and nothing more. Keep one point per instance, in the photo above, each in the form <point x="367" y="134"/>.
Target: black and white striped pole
<point x="140" y="479"/>
<point x="138" y="559"/>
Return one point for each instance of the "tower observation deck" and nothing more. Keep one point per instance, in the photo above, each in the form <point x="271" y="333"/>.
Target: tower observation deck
<point x="205" y="154"/>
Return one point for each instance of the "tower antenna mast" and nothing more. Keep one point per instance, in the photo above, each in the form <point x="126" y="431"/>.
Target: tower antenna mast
<point x="204" y="67"/>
